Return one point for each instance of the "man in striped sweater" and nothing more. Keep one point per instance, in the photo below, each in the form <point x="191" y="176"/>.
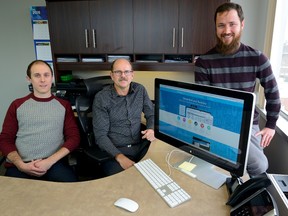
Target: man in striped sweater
<point x="231" y="64"/>
<point x="39" y="130"/>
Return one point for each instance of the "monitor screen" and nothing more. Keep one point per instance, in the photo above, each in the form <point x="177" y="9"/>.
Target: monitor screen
<point x="211" y="123"/>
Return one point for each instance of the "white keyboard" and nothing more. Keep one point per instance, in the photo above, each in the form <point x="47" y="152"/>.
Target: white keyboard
<point x="168" y="189"/>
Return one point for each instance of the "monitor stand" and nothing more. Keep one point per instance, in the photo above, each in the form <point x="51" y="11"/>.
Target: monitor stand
<point x="232" y="183"/>
<point x="203" y="171"/>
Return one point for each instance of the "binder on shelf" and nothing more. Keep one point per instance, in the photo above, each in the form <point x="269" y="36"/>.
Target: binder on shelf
<point x="67" y="59"/>
<point x="92" y="60"/>
<point x="112" y="58"/>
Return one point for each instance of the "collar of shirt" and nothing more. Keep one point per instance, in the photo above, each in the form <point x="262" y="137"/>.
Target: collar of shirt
<point x="114" y="93"/>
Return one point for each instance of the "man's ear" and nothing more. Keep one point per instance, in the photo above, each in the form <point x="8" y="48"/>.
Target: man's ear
<point x="28" y="79"/>
<point x="242" y="24"/>
<point x="30" y="84"/>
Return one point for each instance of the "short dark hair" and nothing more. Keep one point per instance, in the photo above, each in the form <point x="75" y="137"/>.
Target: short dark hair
<point x="228" y="6"/>
<point x="28" y="72"/>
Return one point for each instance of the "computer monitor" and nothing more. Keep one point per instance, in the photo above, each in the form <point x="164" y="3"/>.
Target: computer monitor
<point x="211" y="123"/>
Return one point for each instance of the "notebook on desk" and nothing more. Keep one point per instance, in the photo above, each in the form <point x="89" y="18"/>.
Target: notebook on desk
<point x="211" y="178"/>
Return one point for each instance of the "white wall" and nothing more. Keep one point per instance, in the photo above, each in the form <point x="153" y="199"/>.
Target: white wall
<point x="255" y="12"/>
<point x="16" y="49"/>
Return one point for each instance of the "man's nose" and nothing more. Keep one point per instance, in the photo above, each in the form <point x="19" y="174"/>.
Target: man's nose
<point x="42" y="78"/>
<point x="227" y="29"/>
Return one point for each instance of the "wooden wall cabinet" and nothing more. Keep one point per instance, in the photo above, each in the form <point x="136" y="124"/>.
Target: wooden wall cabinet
<point x="155" y="26"/>
<point x="163" y="35"/>
<point x="68" y="22"/>
<point x="198" y="22"/>
<point x="113" y="24"/>
<point x="91" y="26"/>
<point x="174" y="26"/>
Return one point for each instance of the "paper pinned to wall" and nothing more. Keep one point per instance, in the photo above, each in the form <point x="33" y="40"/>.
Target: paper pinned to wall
<point x="43" y="50"/>
<point x="40" y="30"/>
<point x="41" y="35"/>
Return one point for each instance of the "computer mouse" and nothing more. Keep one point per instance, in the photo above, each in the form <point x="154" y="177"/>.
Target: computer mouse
<point x="127" y="204"/>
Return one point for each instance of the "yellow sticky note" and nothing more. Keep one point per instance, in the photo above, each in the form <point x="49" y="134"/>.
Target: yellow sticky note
<point x="187" y="166"/>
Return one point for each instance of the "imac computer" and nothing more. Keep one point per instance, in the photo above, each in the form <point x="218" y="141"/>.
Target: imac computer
<point x="212" y="124"/>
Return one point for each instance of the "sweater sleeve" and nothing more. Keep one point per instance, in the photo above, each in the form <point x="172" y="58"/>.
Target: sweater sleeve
<point x="70" y="130"/>
<point x="271" y="91"/>
<point x="9" y="130"/>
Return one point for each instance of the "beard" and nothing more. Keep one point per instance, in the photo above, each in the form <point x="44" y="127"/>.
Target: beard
<point x="227" y="49"/>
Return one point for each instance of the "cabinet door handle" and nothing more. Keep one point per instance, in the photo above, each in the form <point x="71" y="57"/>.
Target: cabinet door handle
<point x="94" y="38"/>
<point x="173" y="37"/>
<point x="182" y="37"/>
<point x="86" y="39"/>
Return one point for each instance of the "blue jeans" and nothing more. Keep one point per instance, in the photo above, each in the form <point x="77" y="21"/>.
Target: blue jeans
<point x="59" y="172"/>
<point x="257" y="161"/>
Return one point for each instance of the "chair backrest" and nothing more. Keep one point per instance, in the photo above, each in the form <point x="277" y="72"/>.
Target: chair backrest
<point x="84" y="104"/>
<point x="95" y="84"/>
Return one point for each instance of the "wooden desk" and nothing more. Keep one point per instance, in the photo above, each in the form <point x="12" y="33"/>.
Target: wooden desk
<point x="96" y="197"/>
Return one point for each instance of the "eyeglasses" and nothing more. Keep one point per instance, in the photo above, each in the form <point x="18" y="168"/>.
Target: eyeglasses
<point x="119" y="72"/>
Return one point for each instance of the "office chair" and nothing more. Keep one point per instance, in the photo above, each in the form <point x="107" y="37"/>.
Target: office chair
<point x="83" y="105"/>
<point x="2" y="158"/>
<point x="2" y="167"/>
